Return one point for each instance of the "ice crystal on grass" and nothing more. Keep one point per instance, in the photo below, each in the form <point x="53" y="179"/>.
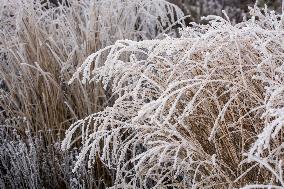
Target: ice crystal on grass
<point x="201" y="111"/>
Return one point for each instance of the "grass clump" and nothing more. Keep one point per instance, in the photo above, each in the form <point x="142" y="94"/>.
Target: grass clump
<point x="201" y="111"/>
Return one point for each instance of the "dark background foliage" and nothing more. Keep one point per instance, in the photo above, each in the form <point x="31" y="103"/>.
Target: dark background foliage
<point x="236" y="9"/>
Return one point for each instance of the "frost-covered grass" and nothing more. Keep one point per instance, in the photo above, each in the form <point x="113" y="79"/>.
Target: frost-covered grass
<point x="40" y="47"/>
<point x="201" y="111"/>
<point x="146" y="110"/>
<point x="33" y="164"/>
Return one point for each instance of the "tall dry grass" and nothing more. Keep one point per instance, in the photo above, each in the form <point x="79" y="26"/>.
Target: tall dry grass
<point x="201" y="111"/>
<point x="41" y="49"/>
<point x="41" y="45"/>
